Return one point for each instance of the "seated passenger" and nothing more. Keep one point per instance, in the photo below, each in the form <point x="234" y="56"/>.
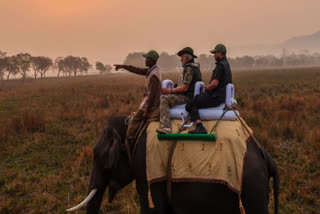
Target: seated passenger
<point x="215" y="92"/>
<point x="183" y="92"/>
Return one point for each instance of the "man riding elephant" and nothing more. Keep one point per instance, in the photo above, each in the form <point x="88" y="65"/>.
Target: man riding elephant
<point x="183" y="92"/>
<point x="215" y="92"/>
<point x="149" y="107"/>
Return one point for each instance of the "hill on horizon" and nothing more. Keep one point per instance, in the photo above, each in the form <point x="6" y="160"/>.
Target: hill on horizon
<point x="306" y="42"/>
<point x="299" y="44"/>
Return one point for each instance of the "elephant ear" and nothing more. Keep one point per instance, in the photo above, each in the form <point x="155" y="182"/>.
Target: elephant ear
<point x="114" y="152"/>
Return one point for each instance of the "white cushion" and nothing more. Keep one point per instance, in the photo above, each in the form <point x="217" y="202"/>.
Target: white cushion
<point x="206" y="113"/>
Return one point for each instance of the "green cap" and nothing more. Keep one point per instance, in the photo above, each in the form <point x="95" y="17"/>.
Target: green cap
<point x="219" y="48"/>
<point x="152" y="55"/>
<point x="187" y="50"/>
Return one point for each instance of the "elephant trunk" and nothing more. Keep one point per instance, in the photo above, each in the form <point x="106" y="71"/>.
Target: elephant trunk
<point x="99" y="180"/>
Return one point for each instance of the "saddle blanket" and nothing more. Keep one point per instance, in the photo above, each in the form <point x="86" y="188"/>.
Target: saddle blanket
<point x="220" y="161"/>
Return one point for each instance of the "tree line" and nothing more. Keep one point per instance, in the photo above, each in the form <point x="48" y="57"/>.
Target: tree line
<point x="25" y="65"/>
<point x="169" y="62"/>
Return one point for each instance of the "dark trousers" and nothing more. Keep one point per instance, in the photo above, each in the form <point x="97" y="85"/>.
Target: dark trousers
<point x="202" y="101"/>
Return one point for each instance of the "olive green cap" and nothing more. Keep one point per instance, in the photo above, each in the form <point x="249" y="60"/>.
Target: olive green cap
<point x="152" y="55"/>
<point x="219" y="48"/>
<point x="187" y="50"/>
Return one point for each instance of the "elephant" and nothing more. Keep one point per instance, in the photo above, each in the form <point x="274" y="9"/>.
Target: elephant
<point x="112" y="169"/>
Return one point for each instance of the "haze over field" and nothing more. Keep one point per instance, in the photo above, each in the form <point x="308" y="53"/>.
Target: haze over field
<point x="59" y="89"/>
<point x="109" y="30"/>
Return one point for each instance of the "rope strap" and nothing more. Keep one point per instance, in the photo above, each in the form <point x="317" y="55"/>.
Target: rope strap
<point x="246" y="128"/>
<point x="242" y="210"/>
<point x="215" y="125"/>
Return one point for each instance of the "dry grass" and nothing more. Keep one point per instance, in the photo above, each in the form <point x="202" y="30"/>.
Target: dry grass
<point x="49" y="127"/>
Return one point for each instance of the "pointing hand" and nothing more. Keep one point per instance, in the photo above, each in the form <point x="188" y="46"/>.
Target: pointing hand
<point x="119" y="66"/>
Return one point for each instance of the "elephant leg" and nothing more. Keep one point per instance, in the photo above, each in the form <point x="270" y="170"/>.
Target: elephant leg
<point x="255" y="197"/>
<point x="144" y="206"/>
<point x="141" y="177"/>
<point x="160" y="198"/>
<point x="158" y="190"/>
<point x="255" y="186"/>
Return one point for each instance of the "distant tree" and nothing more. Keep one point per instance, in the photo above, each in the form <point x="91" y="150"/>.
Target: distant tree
<point x="103" y="68"/>
<point x="316" y="58"/>
<point x="84" y="66"/>
<point x="135" y="59"/>
<point x="3" y="65"/>
<point x="3" y="54"/>
<point x="72" y="64"/>
<point x="292" y="60"/>
<point x="40" y="65"/>
<point x="261" y="61"/>
<point x="206" y="62"/>
<point x="306" y="59"/>
<point x="233" y="62"/>
<point x="168" y="62"/>
<point x="100" y="67"/>
<point x="108" y="68"/>
<point x="59" y="64"/>
<point x="24" y="63"/>
<point x="243" y="62"/>
<point x="273" y="61"/>
<point x="12" y="66"/>
<point x="247" y="61"/>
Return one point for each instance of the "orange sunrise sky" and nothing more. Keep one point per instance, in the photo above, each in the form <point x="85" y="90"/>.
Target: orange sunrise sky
<point x="108" y="30"/>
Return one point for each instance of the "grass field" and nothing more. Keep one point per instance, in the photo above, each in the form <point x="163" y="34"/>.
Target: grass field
<point x="49" y="127"/>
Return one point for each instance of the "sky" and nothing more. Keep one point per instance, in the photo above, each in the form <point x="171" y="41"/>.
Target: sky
<point x="107" y="30"/>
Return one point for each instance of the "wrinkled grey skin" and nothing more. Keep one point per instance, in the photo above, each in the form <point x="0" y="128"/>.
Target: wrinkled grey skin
<point x="112" y="169"/>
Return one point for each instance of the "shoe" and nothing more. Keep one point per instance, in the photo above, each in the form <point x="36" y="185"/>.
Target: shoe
<point x="164" y="131"/>
<point x="199" y="130"/>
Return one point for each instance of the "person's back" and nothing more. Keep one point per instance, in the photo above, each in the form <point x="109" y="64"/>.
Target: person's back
<point x="223" y="74"/>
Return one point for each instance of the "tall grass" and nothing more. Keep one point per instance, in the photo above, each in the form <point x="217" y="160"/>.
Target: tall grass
<point x="49" y="127"/>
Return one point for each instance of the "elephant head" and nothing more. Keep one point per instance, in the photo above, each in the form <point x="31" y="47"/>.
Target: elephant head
<point x="111" y="168"/>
